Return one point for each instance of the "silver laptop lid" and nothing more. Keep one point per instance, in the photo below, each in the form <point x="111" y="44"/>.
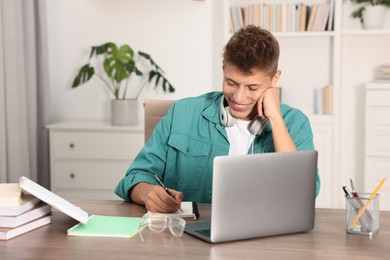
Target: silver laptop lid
<point x="263" y="194"/>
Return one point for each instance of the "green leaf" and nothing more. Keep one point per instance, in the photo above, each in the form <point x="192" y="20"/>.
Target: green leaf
<point x="165" y="82"/>
<point x="119" y="63"/>
<point x="359" y="14"/>
<point x="86" y="72"/>
<point x="151" y="75"/>
<point x="149" y="58"/>
<point x="171" y="88"/>
<point x="157" y="80"/>
<point x="101" y="49"/>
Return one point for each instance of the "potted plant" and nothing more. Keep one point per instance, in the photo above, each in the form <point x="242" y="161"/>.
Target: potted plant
<point x="371" y="13"/>
<point x="117" y="66"/>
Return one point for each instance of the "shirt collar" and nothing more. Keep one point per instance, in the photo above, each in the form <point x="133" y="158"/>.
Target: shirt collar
<point x="212" y="109"/>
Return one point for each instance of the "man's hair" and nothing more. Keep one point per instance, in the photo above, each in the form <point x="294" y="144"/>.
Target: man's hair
<point x="252" y="48"/>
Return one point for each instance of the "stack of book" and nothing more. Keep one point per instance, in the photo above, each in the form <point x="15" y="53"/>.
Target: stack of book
<point x="20" y="212"/>
<point x="383" y="74"/>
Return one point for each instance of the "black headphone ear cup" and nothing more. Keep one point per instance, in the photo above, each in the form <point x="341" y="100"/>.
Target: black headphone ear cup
<point x="224" y="115"/>
<point x="257" y="125"/>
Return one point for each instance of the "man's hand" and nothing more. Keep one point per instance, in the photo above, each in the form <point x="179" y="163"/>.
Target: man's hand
<point x="268" y="106"/>
<point x="155" y="198"/>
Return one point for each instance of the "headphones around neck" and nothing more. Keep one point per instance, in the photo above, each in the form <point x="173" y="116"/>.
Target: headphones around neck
<point x="255" y="127"/>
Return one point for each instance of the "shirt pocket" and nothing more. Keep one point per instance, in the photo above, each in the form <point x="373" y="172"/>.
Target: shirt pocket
<point x="187" y="162"/>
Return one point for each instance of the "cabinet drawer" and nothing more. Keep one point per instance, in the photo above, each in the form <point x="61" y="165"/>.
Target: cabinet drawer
<point x="377" y="144"/>
<point x="96" y="145"/>
<point x="378" y="119"/>
<point x="378" y="98"/>
<point x="88" y="175"/>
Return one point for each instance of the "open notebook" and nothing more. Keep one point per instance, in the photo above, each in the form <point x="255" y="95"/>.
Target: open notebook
<point x="189" y="209"/>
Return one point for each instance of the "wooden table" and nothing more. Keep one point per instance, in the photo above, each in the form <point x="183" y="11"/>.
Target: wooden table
<point x="328" y="240"/>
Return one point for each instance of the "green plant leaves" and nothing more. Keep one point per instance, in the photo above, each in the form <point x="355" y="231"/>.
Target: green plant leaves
<point x="359" y="14"/>
<point x="119" y="63"/>
<point x="165" y="83"/>
<point x="86" y="72"/>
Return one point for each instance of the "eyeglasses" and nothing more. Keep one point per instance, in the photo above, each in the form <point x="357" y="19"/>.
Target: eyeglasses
<point x="158" y="223"/>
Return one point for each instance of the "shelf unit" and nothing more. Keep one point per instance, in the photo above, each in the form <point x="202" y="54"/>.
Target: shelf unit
<point x="314" y="59"/>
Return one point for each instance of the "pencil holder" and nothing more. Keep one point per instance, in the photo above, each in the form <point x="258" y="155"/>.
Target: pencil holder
<point x="362" y="214"/>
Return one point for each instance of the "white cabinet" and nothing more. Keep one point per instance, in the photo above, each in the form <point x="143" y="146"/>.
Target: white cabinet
<point x="88" y="158"/>
<point x="377" y="140"/>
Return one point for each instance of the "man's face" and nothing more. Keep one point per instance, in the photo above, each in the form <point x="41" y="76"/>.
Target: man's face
<point x="242" y="90"/>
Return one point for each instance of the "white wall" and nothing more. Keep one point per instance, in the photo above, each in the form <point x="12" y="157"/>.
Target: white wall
<point x="176" y="33"/>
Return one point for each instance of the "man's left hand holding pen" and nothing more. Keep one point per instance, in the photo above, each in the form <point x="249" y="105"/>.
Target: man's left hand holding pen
<point x="156" y="198"/>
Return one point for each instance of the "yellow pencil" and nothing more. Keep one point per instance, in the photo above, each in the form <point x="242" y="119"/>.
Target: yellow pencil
<point x="368" y="202"/>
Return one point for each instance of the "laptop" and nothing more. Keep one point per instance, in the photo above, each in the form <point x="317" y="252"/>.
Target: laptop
<point x="260" y="195"/>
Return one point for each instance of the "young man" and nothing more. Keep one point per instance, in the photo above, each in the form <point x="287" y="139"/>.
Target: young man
<point x="195" y="130"/>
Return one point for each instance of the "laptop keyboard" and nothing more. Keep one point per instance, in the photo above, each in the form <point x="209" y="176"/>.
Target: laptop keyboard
<point x="204" y="232"/>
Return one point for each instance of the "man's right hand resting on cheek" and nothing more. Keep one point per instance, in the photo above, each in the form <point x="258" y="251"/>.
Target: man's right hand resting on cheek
<point x="155" y="198"/>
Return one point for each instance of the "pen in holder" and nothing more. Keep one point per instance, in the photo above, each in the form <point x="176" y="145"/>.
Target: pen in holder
<point x="368" y="223"/>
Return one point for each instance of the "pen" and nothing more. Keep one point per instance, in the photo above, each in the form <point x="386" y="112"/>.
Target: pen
<point x="355" y="194"/>
<point x="353" y="189"/>
<point x="165" y="188"/>
<point x="368" y="201"/>
<point x="347" y="193"/>
<point x="162" y="184"/>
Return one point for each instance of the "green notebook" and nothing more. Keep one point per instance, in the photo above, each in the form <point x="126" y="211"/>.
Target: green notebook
<point x="106" y="226"/>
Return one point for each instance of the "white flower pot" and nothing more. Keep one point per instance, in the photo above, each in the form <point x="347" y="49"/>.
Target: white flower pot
<point x="124" y="112"/>
<point x="374" y="16"/>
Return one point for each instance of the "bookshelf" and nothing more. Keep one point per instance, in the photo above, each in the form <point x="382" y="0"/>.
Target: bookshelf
<point x="345" y="57"/>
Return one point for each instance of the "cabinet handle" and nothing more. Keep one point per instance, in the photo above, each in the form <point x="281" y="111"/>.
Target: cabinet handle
<point x="72" y="175"/>
<point x="71" y="145"/>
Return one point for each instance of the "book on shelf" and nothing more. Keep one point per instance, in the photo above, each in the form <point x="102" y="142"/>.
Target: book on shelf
<point x="284" y="17"/>
<point x="38" y="211"/>
<point x="318" y="101"/>
<point x="10" y="195"/>
<point x="28" y="202"/>
<point x="331" y="16"/>
<point x="303" y="17"/>
<point x="8" y="233"/>
<point x="189" y="209"/>
<point x="323" y="100"/>
<point x="383" y="74"/>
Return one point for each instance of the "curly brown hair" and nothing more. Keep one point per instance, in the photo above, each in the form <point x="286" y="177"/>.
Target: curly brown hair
<point x="252" y="48"/>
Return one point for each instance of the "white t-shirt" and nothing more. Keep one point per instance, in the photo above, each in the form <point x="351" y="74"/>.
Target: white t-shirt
<point x="240" y="138"/>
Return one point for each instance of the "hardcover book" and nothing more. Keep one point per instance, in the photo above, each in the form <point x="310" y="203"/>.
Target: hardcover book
<point x="40" y="210"/>
<point x="10" y="195"/>
<point x="8" y="233"/>
<point x="53" y="199"/>
<point x="28" y="202"/>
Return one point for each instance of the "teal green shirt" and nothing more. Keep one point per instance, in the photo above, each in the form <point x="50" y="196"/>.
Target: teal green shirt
<point x="184" y="143"/>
